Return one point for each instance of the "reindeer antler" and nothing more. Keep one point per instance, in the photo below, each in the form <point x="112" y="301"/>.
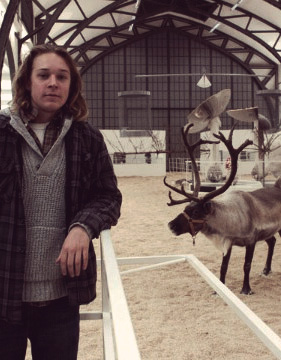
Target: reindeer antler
<point x="234" y="154"/>
<point x="190" y="148"/>
<point x="189" y="197"/>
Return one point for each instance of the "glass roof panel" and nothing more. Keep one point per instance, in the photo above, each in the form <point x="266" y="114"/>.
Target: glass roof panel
<point x="91" y="7"/>
<point x="117" y="40"/>
<point x="257" y="25"/>
<point x="72" y="12"/>
<point x="78" y="41"/>
<point x="60" y="28"/>
<point x="103" y="42"/>
<point x="88" y="33"/>
<point x="42" y="5"/>
<point x="92" y="54"/>
<point x="251" y="31"/>
<point x="105" y="20"/>
<point x="120" y="19"/>
<point x="278" y="45"/>
<point x="240" y="21"/>
<point x="270" y="38"/>
<point x="62" y="39"/>
<point x="87" y="20"/>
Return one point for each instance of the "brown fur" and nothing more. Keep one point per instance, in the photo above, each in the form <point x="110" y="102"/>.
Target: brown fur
<point x="236" y="218"/>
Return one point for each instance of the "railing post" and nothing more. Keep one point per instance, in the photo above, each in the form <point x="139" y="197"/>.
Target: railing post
<point x="108" y="343"/>
<point x="114" y="299"/>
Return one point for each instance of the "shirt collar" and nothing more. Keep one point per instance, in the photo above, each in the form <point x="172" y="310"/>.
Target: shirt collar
<point x="57" y="121"/>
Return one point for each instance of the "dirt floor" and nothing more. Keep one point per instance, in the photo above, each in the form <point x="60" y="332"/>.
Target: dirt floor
<point x="174" y="311"/>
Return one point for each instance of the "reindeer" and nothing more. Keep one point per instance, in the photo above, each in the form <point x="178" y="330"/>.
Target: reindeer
<point x="230" y="218"/>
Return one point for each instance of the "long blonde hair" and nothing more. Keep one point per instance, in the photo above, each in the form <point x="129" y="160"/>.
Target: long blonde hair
<point x="75" y="104"/>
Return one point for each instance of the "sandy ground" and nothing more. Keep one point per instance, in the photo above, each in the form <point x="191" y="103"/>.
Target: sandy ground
<point x="174" y="311"/>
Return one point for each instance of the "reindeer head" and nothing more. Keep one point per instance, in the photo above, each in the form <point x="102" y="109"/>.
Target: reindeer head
<point x="191" y="220"/>
<point x="194" y="216"/>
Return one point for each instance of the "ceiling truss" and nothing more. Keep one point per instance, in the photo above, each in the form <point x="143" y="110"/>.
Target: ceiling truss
<point x="92" y="30"/>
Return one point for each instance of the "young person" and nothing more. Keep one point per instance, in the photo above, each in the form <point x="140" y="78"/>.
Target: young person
<point x="58" y="191"/>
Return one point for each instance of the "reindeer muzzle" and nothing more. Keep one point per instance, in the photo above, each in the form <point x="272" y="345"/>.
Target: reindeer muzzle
<point x="180" y="226"/>
<point x="191" y="223"/>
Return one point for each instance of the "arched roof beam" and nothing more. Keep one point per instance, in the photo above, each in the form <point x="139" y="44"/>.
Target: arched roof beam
<point x="275" y="3"/>
<point x="50" y="21"/>
<point x="43" y="27"/>
<point x="27" y="15"/>
<point x="189" y="28"/>
<point x="115" y="31"/>
<point x="108" y="9"/>
<point x="5" y="30"/>
<point x="261" y="83"/>
<point x="251" y="16"/>
<point x="83" y="25"/>
<point x="11" y="60"/>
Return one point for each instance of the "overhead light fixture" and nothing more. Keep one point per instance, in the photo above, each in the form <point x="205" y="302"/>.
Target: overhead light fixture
<point x="138" y="4"/>
<point x="215" y="26"/>
<point x="236" y="5"/>
<point x="132" y="25"/>
<point x="204" y="82"/>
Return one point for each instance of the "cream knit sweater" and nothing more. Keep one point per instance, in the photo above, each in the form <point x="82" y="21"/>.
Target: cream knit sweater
<point x="44" y="203"/>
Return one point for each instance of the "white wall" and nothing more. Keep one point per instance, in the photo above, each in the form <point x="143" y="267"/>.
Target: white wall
<point x="140" y="169"/>
<point x="135" y="148"/>
<point x="239" y="136"/>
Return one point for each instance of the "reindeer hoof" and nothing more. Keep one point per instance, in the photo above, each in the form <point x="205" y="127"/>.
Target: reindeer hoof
<point x="266" y="272"/>
<point x="246" y="292"/>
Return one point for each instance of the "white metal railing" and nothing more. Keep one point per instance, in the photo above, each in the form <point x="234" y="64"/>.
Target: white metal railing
<point x="270" y="339"/>
<point x="245" y="167"/>
<point x="207" y="168"/>
<point x="119" y="340"/>
<point x="177" y="164"/>
<point x="118" y="333"/>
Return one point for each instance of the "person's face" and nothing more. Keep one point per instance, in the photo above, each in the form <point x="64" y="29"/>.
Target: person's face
<point x="50" y="83"/>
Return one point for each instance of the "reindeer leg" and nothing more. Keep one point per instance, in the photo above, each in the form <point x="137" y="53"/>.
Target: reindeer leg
<point x="271" y="243"/>
<point x="224" y="265"/>
<point x="246" y="289"/>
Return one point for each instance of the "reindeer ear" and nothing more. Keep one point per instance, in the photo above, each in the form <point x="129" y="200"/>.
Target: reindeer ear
<point x="207" y="207"/>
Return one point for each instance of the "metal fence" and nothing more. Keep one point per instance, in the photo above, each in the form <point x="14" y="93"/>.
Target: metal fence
<point x="118" y="333"/>
<point x="256" y="169"/>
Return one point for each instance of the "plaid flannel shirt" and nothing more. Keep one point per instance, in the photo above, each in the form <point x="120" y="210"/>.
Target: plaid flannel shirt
<point x="91" y="195"/>
<point x="51" y="133"/>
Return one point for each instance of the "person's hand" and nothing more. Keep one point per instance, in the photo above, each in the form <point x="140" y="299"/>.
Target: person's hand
<point x="74" y="252"/>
